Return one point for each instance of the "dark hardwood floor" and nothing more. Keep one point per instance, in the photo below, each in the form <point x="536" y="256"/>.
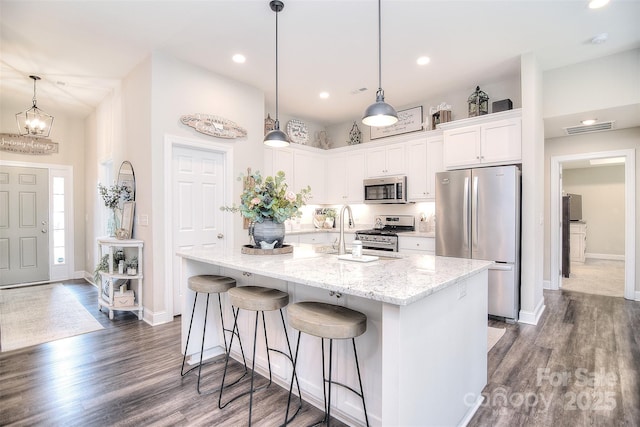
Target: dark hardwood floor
<point x="580" y="366"/>
<point x="127" y="374"/>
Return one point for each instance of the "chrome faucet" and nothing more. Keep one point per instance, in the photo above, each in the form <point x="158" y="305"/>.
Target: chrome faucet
<point x="342" y="249"/>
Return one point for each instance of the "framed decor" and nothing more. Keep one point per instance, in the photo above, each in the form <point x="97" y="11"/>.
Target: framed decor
<point x="126" y="226"/>
<point x="408" y="121"/>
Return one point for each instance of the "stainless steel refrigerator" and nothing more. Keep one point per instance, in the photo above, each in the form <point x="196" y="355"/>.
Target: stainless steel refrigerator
<point x="478" y="216"/>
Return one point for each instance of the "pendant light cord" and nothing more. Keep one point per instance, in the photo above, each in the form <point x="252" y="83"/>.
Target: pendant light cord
<point x="379" y="47"/>
<point x="277" y="121"/>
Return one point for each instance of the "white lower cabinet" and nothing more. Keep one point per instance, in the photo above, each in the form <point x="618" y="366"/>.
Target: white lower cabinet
<point x="416" y="245"/>
<point x="577" y="241"/>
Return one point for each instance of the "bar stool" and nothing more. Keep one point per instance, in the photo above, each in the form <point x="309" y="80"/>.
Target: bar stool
<point x="328" y="321"/>
<point x="209" y="284"/>
<point x="259" y="299"/>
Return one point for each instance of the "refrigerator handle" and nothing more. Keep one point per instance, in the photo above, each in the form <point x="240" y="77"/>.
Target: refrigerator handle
<point x="465" y="210"/>
<point x="474" y="213"/>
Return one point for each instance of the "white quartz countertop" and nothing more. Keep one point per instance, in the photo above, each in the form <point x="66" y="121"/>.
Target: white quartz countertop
<point x="398" y="279"/>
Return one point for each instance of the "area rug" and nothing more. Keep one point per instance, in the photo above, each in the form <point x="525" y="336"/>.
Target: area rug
<point x="38" y="314"/>
<point x="493" y="336"/>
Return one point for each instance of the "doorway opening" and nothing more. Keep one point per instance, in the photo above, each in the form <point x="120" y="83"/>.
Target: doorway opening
<point x="561" y="166"/>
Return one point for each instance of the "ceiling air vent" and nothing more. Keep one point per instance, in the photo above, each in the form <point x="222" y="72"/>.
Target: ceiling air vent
<point x="597" y="127"/>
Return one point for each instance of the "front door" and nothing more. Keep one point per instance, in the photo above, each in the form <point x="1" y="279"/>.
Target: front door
<point x="198" y="191"/>
<point x="24" y="225"/>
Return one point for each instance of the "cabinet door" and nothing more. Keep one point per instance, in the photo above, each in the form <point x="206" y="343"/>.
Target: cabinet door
<point x="501" y="141"/>
<point x="395" y="160"/>
<point x="376" y="162"/>
<point x="283" y="161"/>
<point x="336" y="179"/>
<point x="408" y="244"/>
<point x="462" y="147"/>
<point x="435" y="164"/>
<point x="309" y="169"/>
<point x="416" y="170"/>
<point x="354" y="177"/>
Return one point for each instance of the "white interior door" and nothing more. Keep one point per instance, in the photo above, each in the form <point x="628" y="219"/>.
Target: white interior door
<point x="198" y="192"/>
<point x="24" y="225"/>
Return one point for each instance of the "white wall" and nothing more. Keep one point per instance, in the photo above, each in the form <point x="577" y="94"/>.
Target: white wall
<point x="602" y="190"/>
<point x="607" y="82"/>
<point x="496" y="91"/>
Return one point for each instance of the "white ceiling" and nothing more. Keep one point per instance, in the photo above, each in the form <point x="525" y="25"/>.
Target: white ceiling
<point x="82" y="49"/>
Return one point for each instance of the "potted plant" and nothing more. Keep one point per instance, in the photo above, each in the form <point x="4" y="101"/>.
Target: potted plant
<point x="268" y="203"/>
<point x="132" y="266"/>
<point x="113" y="197"/>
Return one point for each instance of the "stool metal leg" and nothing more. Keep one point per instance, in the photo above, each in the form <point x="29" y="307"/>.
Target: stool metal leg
<point x="184" y="357"/>
<point x="364" y="407"/>
<point x="330" y="364"/>
<point x="204" y="334"/>
<point x="233" y="332"/>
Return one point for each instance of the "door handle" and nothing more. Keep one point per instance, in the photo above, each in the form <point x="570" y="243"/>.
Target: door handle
<point x="465" y="210"/>
<point x="44" y="230"/>
<point x="474" y="221"/>
<point x="220" y="236"/>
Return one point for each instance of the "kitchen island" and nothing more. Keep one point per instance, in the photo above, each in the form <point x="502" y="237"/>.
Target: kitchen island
<point x="424" y="354"/>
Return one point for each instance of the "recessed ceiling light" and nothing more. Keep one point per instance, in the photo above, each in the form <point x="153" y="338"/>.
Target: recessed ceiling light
<point x="597" y="4"/>
<point x="239" y="58"/>
<point x="600" y="38"/>
<point x="324" y="95"/>
<point x="423" y="60"/>
<point x="588" y="122"/>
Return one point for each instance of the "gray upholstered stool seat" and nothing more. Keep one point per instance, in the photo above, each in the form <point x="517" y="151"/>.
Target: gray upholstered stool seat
<point x="326" y="320"/>
<point x="258" y="298"/>
<point x="211" y="284"/>
<point x="208" y="284"/>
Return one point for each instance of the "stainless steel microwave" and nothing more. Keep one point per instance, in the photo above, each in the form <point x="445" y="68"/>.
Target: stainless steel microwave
<point x="390" y="189"/>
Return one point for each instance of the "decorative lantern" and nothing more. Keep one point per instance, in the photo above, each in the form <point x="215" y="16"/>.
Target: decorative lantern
<point x="269" y="124"/>
<point x="355" y="136"/>
<point x="34" y="122"/>
<point x="478" y="103"/>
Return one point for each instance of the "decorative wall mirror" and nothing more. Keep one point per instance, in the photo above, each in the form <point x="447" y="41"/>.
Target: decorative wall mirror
<point x="127" y="178"/>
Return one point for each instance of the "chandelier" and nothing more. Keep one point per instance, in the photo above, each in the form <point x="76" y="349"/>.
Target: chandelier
<point x="34" y="121"/>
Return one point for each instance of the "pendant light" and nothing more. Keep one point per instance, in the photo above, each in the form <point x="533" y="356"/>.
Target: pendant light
<point x="380" y="114"/>
<point x="34" y="121"/>
<point x="276" y="138"/>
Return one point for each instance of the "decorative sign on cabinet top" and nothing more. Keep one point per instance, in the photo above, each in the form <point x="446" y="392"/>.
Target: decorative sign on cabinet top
<point x="297" y="131"/>
<point x="408" y="121"/>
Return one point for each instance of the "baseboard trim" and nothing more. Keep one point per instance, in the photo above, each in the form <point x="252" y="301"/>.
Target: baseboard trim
<point x="532" y="318"/>
<point x="471" y="412"/>
<point x="637" y="295"/>
<point x="546" y="284"/>
<point x="155" y="319"/>
<point x="604" y="256"/>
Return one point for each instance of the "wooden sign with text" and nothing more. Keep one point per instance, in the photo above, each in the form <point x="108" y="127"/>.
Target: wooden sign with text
<point x="27" y="144"/>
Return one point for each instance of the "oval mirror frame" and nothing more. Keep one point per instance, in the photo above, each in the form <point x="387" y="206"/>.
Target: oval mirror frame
<point x="127" y="178"/>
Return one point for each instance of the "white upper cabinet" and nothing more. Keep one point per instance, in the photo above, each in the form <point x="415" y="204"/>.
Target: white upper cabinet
<point x="278" y="159"/>
<point x="345" y="173"/>
<point x="310" y="169"/>
<point x="435" y="163"/>
<point x="491" y="142"/>
<point x="417" y="170"/>
<point x="385" y="161"/>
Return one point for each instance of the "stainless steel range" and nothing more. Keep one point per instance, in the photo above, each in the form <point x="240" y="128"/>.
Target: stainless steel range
<point x="384" y="237"/>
